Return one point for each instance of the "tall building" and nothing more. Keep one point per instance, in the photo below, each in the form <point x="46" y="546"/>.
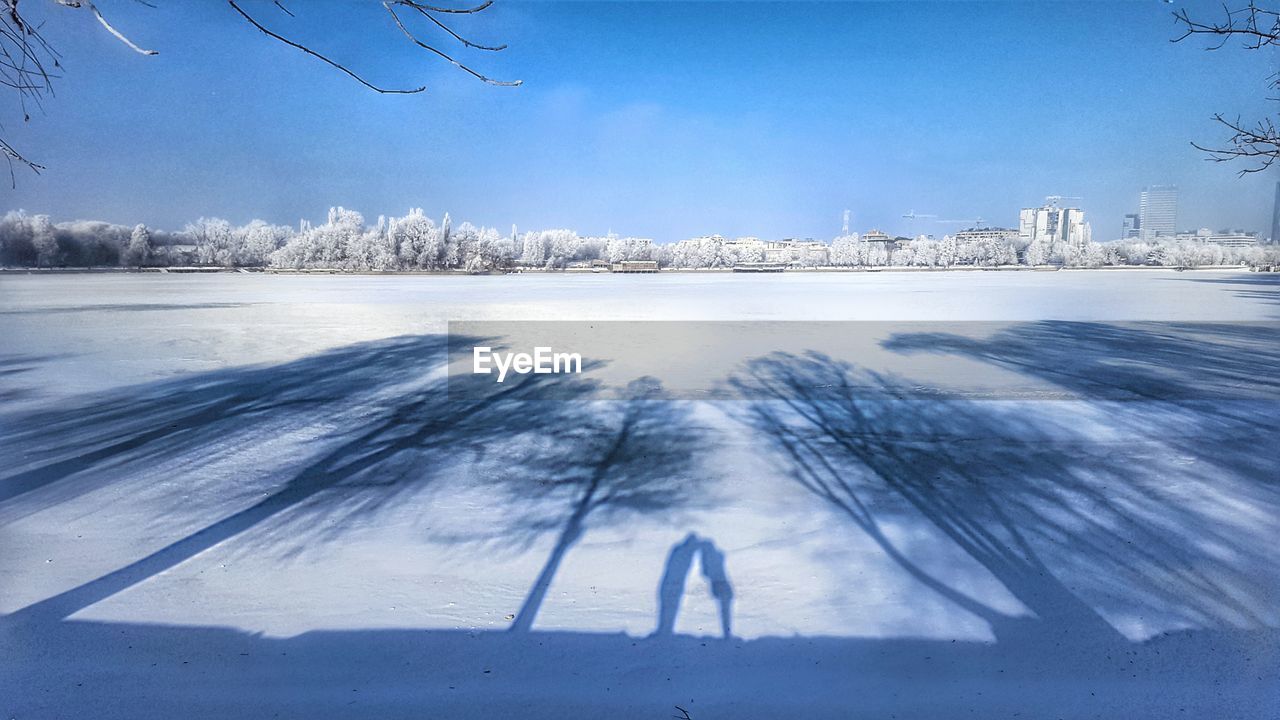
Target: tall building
<point x="1158" y="212"/>
<point x="1275" y="217"/>
<point x="1132" y="226"/>
<point x="1052" y="223"/>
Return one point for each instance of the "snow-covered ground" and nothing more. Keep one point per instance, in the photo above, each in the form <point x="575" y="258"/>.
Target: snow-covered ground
<point x="249" y="495"/>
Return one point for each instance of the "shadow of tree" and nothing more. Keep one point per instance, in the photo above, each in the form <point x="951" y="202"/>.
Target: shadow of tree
<point x="1069" y="524"/>
<point x="1208" y="390"/>
<point x="396" y="425"/>
<point x="1126" y="361"/>
<point x="630" y="454"/>
<point x="197" y="416"/>
<point x="1263" y="286"/>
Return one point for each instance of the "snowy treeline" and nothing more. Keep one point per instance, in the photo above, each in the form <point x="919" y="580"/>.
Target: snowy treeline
<point x="559" y="248"/>
<point x="951" y="251"/>
<point x="36" y="241"/>
<point x="411" y="242"/>
<point x="417" y="242"/>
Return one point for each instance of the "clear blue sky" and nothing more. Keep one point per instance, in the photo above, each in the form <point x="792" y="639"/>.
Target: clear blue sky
<point x="662" y="120"/>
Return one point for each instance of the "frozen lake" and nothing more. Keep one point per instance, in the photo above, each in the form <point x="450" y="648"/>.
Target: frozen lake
<point x="120" y="329"/>
<point x="219" y="491"/>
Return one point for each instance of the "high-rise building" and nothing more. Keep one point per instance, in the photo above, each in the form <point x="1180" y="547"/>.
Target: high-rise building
<point x="1052" y="223"/>
<point x="1132" y="226"/>
<point x="1275" y="217"/>
<point x="1158" y="212"/>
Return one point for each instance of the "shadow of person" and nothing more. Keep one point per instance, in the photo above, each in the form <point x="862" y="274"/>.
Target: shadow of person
<point x="711" y="560"/>
<point x="636" y="453"/>
<point x="671" y="587"/>
<point x="676" y="573"/>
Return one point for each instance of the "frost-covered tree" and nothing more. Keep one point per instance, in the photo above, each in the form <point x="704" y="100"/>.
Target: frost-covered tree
<point x="254" y="243"/>
<point x="45" y="241"/>
<point x="490" y="251"/>
<point x="845" y="250"/>
<point x="418" y="242"/>
<point x="322" y="246"/>
<point x="1042" y="251"/>
<point x="16" y="247"/>
<point x="138" y="252"/>
<point x="554" y="249"/>
<point x="948" y="251"/>
<point x="214" y="242"/>
<point x="618" y="249"/>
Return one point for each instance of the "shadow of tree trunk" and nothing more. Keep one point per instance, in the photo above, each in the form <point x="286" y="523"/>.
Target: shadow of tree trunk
<point x="633" y="455"/>
<point x="849" y="446"/>
<point x="426" y="424"/>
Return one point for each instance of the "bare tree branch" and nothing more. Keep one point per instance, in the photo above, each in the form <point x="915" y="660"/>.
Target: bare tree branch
<point x="322" y="58"/>
<point x="1261" y="142"/>
<point x="391" y="9"/>
<point x="427" y="14"/>
<point x="29" y="64"/>
<point x="1259" y="28"/>
<point x="460" y="11"/>
<point x="117" y="33"/>
<point x="10" y="156"/>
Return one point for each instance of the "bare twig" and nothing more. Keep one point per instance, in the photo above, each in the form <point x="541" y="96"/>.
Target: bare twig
<point x="1259" y="27"/>
<point x="1261" y="142"/>
<point x="10" y="156"/>
<point x="428" y="15"/>
<point x="391" y="9"/>
<point x="459" y="11"/>
<point x="322" y="58"/>
<point x="118" y="34"/>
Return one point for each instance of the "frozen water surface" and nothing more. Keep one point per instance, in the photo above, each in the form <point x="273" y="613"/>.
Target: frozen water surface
<point x="225" y="493"/>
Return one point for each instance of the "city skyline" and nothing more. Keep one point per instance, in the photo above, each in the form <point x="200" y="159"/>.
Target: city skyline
<point x="769" y="120"/>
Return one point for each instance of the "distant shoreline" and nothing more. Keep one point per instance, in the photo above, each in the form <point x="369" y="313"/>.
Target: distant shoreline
<point x="585" y="271"/>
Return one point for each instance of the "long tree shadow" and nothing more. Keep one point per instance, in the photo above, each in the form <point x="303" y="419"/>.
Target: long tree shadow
<point x="631" y="454"/>
<point x="198" y="415"/>
<point x="1209" y="390"/>
<point x="1068" y="525"/>
<point x="398" y="426"/>
<point x="1254" y="286"/>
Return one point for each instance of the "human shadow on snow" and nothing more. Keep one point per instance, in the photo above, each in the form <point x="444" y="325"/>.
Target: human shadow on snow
<point x="1079" y="529"/>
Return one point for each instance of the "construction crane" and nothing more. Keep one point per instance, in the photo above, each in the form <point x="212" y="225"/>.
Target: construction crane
<point x="974" y="223"/>
<point x="912" y="215"/>
<point x="1055" y="199"/>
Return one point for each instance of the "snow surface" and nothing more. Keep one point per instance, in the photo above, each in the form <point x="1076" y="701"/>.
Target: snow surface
<point x="248" y="495"/>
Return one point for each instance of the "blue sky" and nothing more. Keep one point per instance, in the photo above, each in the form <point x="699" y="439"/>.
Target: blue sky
<point x="656" y="119"/>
